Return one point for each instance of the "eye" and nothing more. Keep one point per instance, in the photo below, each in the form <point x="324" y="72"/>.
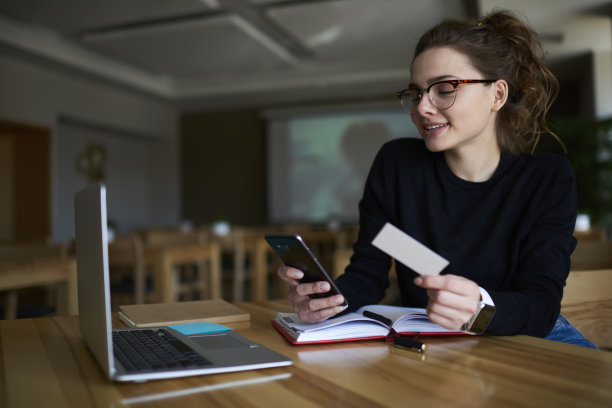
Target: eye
<point x="412" y="95"/>
<point x="443" y="89"/>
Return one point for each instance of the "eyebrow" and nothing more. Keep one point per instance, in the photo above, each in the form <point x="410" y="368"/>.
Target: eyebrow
<point x="434" y="79"/>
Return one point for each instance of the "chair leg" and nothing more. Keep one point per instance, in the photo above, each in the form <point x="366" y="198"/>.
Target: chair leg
<point x="10" y="305"/>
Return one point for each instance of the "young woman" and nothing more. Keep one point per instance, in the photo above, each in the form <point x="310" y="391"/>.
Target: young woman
<point x="471" y="190"/>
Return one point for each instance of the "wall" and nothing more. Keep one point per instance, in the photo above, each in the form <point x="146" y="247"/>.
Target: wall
<point x="602" y="72"/>
<point x="576" y="97"/>
<point x="34" y="92"/>
<point x="223" y="167"/>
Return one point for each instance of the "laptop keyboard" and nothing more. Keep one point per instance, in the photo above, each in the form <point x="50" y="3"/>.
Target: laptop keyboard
<point x="141" y="351"/>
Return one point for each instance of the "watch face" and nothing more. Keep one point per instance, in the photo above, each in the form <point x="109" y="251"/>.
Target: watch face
<point x="483" y="319"/>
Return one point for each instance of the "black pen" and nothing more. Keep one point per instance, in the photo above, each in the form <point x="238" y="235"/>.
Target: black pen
<point x="409" y="344"/>
<point x="376" y="316"/>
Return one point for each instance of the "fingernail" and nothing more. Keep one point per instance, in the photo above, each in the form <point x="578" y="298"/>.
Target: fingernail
<point x="298" y="275"/>
<point x="418" y="280"/>
<point x="338" y="299"/>
<point x="324" y="286"/>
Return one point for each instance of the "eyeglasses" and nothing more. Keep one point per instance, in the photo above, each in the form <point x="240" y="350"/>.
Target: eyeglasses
<point x="442" y="94"/>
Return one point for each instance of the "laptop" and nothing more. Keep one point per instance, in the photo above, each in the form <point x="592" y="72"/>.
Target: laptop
<point x="197" y="354"/>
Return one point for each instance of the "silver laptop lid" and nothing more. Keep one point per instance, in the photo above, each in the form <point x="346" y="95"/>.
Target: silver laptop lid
<point x="92" y="266"/>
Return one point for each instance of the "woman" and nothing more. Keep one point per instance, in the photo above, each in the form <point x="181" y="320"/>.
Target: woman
<point x="471" y="190"/>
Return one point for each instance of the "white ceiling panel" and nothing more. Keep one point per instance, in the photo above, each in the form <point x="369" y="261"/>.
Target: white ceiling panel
<point x="76" y="16"/>
<point x="355" y="33"/>
<point x="216" y="47"/>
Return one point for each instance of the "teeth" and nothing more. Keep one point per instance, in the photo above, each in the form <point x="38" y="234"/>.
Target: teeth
<point x="434" y="126"/>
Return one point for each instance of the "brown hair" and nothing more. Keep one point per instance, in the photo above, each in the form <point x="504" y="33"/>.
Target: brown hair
<point x="500" y="46"/>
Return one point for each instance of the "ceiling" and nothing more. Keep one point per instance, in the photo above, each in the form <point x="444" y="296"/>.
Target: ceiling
<point x="212" y="53"/>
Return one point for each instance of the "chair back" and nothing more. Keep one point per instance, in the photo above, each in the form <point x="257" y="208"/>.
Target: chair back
<point x="126" y="255"/>
<point x="587" y="304"/>
<point x="171" y="261"/>
<point x="592" y="255"/>
<point x="18" y="253"/>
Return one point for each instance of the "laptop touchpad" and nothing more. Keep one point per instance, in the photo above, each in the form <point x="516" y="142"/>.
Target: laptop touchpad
<point x="219" y="341"/>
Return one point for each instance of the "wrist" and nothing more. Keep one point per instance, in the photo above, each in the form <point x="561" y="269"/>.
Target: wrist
<point x="483" y="315"/>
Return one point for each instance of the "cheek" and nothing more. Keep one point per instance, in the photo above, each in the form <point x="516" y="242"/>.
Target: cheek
<point x="475" y="116"/>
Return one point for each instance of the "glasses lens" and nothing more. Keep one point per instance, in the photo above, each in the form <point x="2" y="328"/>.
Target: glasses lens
<point x="408" y="98"/>
<point x="443" y="95"/>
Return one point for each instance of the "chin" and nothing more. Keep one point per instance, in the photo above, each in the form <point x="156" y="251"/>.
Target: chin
<point x="433" y="145"/>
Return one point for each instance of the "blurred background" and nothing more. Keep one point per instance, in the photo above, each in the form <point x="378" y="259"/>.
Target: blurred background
<point x="230" y="114"/>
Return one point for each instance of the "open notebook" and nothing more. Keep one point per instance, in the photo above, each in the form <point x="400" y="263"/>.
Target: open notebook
<point x="202" y="353"/>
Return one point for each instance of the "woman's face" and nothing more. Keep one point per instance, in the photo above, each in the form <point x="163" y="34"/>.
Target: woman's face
<point x="470" y="121"/>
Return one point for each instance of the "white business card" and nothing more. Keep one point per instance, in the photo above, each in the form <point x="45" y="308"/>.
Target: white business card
<point x="407" y="250"/>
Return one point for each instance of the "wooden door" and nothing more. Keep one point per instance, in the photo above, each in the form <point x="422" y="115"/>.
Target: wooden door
<point x="25" y="183"/>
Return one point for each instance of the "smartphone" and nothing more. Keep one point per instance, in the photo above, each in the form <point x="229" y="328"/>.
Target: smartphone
<point x="294" y="252"/>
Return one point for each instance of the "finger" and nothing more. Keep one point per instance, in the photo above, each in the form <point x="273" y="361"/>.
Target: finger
<point x="453" y="300"/>
<point x="295" y="297"/>
<point x="326" y="302"/>
<point x="451" y="283"/>
<point x="452" y="314"/>
<point x="304" y="290"/>
<point x="445" y="321"/>
<point x="314" y="316"/>
<point x="433" y="281"/>
<point x="312" y="288"/>
<point x="289" y="273"/>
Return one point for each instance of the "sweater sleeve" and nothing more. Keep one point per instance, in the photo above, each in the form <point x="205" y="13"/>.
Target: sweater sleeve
<point x="531" y="301"/>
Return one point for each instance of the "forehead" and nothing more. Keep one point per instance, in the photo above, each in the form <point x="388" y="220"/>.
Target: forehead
<point x="441" y="62"/>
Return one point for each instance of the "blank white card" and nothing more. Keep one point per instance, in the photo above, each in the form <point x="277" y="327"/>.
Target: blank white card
<point x="407" y="250"/>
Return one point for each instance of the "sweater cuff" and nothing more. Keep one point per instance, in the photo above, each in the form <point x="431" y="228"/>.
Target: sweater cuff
<point x="485" y="297"/>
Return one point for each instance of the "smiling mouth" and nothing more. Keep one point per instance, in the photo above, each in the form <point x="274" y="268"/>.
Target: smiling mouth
<point x="433" y="127"/>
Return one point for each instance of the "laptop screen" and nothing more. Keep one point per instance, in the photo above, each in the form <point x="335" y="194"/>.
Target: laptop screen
<point x="92" y="267"/>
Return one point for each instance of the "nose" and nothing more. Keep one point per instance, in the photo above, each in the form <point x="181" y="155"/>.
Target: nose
<point x="425" y="106"/>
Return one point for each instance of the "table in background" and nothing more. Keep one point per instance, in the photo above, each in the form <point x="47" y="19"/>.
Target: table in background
<point x="45" y="363"/>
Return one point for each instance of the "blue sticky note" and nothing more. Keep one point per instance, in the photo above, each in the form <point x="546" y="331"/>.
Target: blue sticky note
<point x="199" y="328"/>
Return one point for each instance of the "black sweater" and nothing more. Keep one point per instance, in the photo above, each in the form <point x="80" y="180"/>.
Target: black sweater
<point x="512" y="234"/>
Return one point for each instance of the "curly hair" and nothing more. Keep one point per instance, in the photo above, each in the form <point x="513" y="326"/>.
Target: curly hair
<point x="501" y="46"/>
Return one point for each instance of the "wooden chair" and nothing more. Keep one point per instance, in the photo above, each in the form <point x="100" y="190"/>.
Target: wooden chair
<point x="172" y="236"/>
<point x="592" y="234"/>
<point x="126" y="260"/>
<point x="144" y="249"/>
<point x="31" y="251"/>
<point x="587" y="304"/>
<point x="266" y="264"/>
<point x="592" y="255"/>
<point x="35" y="265"/>
<point x="170" y="263"/>
<point x="241" y="244"/>
<point x="342" y="259"/>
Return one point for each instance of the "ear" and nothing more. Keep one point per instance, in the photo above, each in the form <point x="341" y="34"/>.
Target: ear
<point x="500" y="94"/>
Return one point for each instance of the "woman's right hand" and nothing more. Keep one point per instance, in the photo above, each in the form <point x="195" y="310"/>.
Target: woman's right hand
<point x="308" y="309"/>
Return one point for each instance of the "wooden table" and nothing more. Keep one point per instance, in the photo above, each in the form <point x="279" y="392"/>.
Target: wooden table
<point x="46" y="363"/>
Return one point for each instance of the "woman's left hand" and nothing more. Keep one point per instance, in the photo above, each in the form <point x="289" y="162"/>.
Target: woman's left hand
<point x="453" y="300"/>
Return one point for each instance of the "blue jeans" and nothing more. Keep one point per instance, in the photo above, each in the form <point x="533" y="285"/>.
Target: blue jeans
<point x="564" y="332"/>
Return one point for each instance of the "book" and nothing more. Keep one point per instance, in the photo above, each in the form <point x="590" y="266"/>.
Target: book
<point x="369" y="322"/>
<point x="167" y="314"/>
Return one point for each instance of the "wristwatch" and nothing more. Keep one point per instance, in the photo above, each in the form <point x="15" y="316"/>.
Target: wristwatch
<point x="480" y="320"/>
